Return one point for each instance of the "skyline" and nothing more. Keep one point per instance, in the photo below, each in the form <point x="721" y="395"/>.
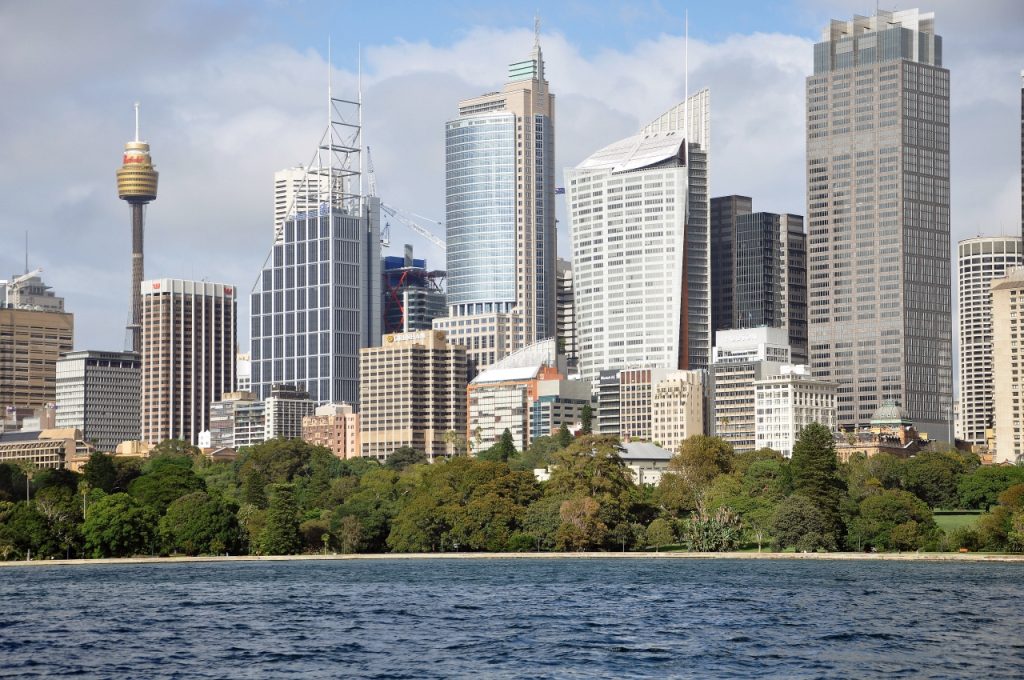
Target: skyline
<point x="225" y="108"/>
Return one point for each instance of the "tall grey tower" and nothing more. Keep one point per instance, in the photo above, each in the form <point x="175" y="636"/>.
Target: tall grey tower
<point x="878" y="217"/>
<point x="500" y="215"/>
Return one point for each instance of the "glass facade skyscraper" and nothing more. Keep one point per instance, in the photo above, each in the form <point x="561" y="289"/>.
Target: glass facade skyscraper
<point x="759" y="270"/>
<point x="500" y="217"/>
<point x="318" y="302"/>
<point x="878" y="218"/>
<point x="480" y="174"/>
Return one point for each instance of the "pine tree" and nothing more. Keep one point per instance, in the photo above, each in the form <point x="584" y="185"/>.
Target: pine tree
<point x="815" y="471"/>
<point x="281" y="536"/>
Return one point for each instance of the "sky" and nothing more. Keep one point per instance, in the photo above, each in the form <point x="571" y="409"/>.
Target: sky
<point x="232" y="91"/>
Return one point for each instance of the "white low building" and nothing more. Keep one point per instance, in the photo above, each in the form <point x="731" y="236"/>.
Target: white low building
<point x="648" y="462"/>
<point x="787" y="403"/>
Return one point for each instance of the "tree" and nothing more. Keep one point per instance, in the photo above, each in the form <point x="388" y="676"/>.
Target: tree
<point x="280" y="535"/>
<point x="659" y="533"/>
<point x="881" y="514"/>
<point x="586" y="419"/>
<point x="581" y="528"/>
<point x="932" y="476"/>
<point x="537" y="455"/>
<point x="502" y="450"/>
<point x="28" y="470"/>
<point x="24" y="532"/>
<point x="981" y="487"/>
<point x="63" y="515"/>
<point x="118" y="526"/>
<point x="814" y="468"/>
<point x="700" y="459"/>
<point x="166" y="479"/>
<point x="458" y="442"/>
<point x="803" y="524"/>
<point x="350" y="534"/>
<point x="563" y="437"/>
<point x="404" y="456"/>
<point x="174" y="448"/>
<point x="200" y="523"/>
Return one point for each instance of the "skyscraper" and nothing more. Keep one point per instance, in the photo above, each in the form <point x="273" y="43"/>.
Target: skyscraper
<point x="759" y="270"/>
<point x="500" y="215"/>
<point x="136" y="184"/>
<point x="188" y="355"/>
<point x="878" y="217"/>
<point x="979" y="262"/>
<point x="318" y="299"/>
<point x="638" y="211"/>
<point x="725" y="210"/>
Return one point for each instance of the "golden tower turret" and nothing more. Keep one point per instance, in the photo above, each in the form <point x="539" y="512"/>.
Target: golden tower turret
<point x="136" y="184"/>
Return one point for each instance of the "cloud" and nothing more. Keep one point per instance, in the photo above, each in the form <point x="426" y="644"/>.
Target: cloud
<point x="224" y="107"/>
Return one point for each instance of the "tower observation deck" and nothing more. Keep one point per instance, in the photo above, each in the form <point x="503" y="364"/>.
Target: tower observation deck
<point x="136" y="184"/>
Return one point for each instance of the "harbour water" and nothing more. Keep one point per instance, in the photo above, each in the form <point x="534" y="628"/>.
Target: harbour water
<point x="514" y="618"/>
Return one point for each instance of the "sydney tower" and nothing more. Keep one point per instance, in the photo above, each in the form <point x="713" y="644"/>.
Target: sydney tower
<point x="136" y="183"/>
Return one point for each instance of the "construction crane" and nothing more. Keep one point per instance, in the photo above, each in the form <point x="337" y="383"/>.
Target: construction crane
<point x="406" y="217"/>
<point x="409" y="219"/>
<point x="371" y="176"/>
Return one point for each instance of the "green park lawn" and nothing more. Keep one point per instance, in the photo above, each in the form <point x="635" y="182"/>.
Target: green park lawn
<point x="948" y="521"/>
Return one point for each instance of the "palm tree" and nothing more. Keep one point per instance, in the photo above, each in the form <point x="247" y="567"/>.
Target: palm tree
<point x="29" y="469"/>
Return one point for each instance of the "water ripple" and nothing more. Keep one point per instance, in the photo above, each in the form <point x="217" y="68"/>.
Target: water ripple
<point x="513" y="618"/>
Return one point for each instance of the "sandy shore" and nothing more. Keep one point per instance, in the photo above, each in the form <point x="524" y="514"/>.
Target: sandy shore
<point x="885" y="557"/>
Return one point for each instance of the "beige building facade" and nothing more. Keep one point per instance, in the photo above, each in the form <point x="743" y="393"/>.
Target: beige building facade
<point x="412" y="390"/>
<point x="677" y="408"/>
<point x="1008" y="365"/>
<point x="188" y="355"/>
<point x="31" y="342"/>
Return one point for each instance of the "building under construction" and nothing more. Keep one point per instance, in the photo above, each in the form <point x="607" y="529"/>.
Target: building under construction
<point x="413" y="296"/>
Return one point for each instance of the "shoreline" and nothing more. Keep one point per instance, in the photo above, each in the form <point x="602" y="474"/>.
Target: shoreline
<point x="837" y="556"/>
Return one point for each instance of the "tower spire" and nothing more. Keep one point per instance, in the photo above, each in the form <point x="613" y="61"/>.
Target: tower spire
<point x="137" y="122"/>
<point x="536" y="31"/>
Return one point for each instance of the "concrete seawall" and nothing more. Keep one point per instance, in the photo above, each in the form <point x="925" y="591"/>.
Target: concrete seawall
<point x="883" y="557"/>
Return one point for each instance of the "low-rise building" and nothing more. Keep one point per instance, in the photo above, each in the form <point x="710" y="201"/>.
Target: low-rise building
<point x="890" y="431"/>
<point x="237" y="420"/>
<point x="50" y="449"/>
<point x="527" y="394"/>
<point x="677" y="408"/>
<point x="648" y="462"/>
<point x="740" y="358"/>
<point x="284" y="410"/>
<point x="787" y="403"/>
<point x="333" y="426"/>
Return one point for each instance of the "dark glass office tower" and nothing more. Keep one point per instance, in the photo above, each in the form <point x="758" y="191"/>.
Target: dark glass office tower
<point x="878" y="218"/>
<point x="759" y="271"/>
